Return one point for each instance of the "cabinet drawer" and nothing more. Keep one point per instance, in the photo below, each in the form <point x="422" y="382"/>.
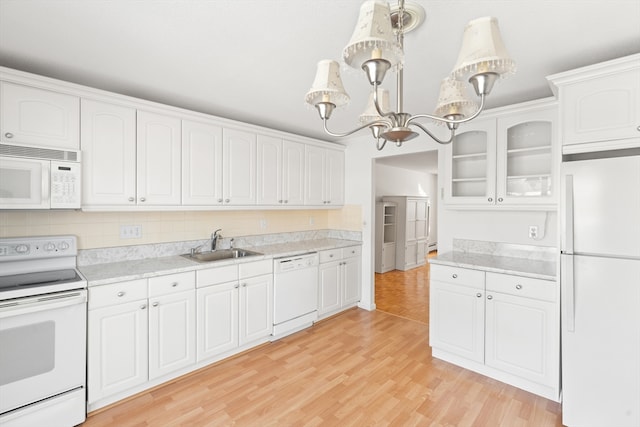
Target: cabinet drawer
<point x="351" y="252"/>
<point x="214" y="276"/>
<point x="522" y="286"/>
<point x="256" y="268"/>
<point x="117" y="293"/>
<point x="171" y="283"/>
<point x="330" y="255"/>
<point x="457" y="275"/>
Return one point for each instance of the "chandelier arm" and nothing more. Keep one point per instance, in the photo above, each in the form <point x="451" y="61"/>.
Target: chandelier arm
<point x="378" y="146"/>
<point x="450" y="121"/>
<point x="379" y="110"/>
<point x="435" y="138"/>
<point x="351" y="132"/>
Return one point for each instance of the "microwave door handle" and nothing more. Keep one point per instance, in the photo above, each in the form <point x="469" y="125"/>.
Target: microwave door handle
<point x="46" y="183"/>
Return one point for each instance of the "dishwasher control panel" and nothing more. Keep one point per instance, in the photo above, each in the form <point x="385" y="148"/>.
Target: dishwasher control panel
<point x="283" y="265"/>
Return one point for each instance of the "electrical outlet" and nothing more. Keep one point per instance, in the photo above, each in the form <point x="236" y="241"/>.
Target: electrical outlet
<point x="533" y="231"/>
<point x="263" y="224"/>
<point x="130" y="231"/>
<point x="311" y="220"/>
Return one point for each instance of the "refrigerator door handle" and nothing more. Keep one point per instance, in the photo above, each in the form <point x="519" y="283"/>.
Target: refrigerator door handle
<point x="567" y="244"/>
<point x="568" y="293"/>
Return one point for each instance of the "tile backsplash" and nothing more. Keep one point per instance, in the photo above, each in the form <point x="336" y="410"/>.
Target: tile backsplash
<point x="102" y="229"/>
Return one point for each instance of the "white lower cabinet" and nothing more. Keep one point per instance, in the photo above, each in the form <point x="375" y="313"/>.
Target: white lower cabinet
<point x="339" y="280"/>
<point x="234" y="308"/>
<point x="503" y="326"/>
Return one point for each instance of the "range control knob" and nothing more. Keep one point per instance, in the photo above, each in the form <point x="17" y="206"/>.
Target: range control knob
<point x="63" y="246"/>
<point x="22" y="249"/>
<point x="49" y="247"/>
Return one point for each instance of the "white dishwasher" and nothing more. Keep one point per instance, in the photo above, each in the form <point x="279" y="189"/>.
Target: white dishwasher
<point x="295" y="293"/>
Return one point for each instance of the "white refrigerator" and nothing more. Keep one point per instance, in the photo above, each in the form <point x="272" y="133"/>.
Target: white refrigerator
<point x="600" y="289"/>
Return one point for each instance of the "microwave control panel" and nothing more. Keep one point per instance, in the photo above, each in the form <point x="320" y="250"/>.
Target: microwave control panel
<point x="65" y="185"/>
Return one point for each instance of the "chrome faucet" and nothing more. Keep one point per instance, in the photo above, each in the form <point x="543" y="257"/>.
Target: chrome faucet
<point x="214" y="239"/>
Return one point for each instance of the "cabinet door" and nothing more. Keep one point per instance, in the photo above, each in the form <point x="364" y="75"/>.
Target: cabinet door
<point x="334" y="177"/>
<point x="158" y="159"/>
<point x="201" y="163"/>
<point x="37" y="117"/>
<point x="456" y="320"/>
<point x="520" y="336"/>
<point x="605" y="108"/>
<point x="388" y="257"/>
<point x="292" y="173"/>
<point x="172" y="332"/>
<point x="422" y="219"/>
<point x="217" y="327"/>
<point x="314" y="176"/>
<point x="269" y="185"/>
<point x="525" y="157"/>
<point x="329" y="287"/>
<point x="351" y="281"/>
<point x="256" y="308"/>
<point x="117" y="349"/>
<point x="108" y="134"/>
<point x="470" y="164"/>
<point x="239" y="167"/>
<point x="410" y="255"/>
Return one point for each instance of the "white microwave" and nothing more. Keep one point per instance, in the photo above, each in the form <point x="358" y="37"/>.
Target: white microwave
<point x="37" y="182"/>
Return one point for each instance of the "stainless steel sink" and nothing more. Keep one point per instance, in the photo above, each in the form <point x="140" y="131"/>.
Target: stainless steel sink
<point x="220" y="254"/>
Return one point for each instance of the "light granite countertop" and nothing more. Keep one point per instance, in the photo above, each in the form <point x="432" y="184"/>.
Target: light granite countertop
<point x="538" y="269"/>
<point x="113" y="272"/>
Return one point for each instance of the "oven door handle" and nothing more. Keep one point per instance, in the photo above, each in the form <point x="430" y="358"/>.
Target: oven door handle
<point x="30" y="305"/>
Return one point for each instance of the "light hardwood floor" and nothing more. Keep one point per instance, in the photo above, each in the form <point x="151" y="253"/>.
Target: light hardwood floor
<point x="359" y="368"/>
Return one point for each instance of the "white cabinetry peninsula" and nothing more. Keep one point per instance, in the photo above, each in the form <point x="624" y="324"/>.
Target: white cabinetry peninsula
<point x="140" y="155"/>
<point x="501" y="325"/>
<point x="599" y="105"/>
<point x="37" y="117"/>
<point x="507" y="158"/>
<point x="339" y="280"/>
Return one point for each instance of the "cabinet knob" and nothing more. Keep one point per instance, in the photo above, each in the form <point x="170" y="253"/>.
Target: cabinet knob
<point x="455" y="276"/>
<point x="236" y="286"/>
<point x="8" y="135"/>
<point x="500" y="199"/>
<point x="143" y="306"/>
<point x="490" y="199"/>
<point x="174" y="284"/>
<point x="518" y="287"/>
<point x="244" y="285"/>
<point x="286" y="201"/>
<point x="120" y="294"/>
<point x="227" y="200"/>
<point x="131" y="199"/>
<point x="638" y="129"/>
<point x="478" y="295"/>
<point x="142" y="199"/>
<point x="279" y="201"/>
<point x="489" y="297"/>
<point x="219" y="200"/>
<point x="155" y="304"/>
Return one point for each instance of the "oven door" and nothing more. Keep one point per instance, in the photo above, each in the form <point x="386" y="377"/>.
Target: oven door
<point x="24" y="183"/>
<point x="43" y="347"/>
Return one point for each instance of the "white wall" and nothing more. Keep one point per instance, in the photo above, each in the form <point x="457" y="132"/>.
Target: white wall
<point x="394" y="181"/>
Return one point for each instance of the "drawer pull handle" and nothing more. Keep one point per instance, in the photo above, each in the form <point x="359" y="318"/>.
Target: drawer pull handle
<point x="489" y="297"/>
<point x="8" y="135"/>
<point x="331" y="256"/>
<point x="174" y="284"/>
<point x="518" y="287"/>
<point x="455" y="276"/>
<point x="155" y="304"/>
<point x="120" y="294"/>
<point x="143" y="306"/>
<point x="478" y="295"/>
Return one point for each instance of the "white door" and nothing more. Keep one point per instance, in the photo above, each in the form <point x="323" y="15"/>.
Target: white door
<point x="117" y="349"/>
<point x="37" y="117"/>
<point x="158" y="159"/>
<point x="256" y="317"/>
<point x="293" y="173"/>
<point x="456" y="320"/>
<point x="108" y="135"/>
<point x="217" y="327"/>
<point x="239" y="167"/>
<point x="269" y="185"/>
<point x="172" y="332"/>
<point x="201" y="163"/>
<point x="329" y="287"/>
<point x="519" y="336"/>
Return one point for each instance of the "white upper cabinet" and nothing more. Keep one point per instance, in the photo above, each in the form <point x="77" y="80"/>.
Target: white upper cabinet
<point x="37" y="117"/>
<point x="280" y="172"/>
<point x="158" y="158"/>
<point x="239" y="167"/>
<point x="108" y="135"/>
<point x="324" y="177"/>
<point x="201" y="164"/>
<point x="507" y="159"/>
<point x="600" y="105"/>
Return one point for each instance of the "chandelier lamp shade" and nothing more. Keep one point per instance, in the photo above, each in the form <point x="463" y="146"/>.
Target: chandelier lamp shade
<point x="376" y="47"/>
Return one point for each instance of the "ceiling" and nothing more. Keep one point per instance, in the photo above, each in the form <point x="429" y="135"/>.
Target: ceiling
<point x="253" y="60"/>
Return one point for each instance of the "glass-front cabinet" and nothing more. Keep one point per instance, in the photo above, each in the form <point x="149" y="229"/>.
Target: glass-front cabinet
<point x="506" y="158"/>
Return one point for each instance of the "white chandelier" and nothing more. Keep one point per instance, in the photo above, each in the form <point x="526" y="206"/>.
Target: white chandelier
<point x="377" y="46"/>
